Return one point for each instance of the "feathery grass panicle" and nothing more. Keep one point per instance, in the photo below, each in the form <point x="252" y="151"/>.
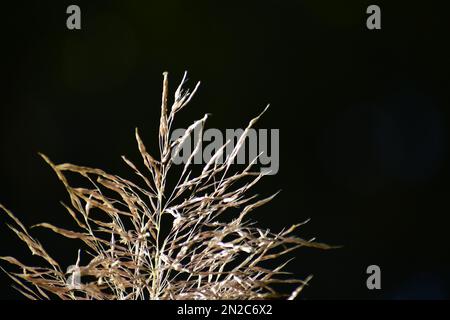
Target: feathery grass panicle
<point x="130" y="257"/>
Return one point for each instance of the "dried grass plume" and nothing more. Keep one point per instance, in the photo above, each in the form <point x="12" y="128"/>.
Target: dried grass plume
<point x="202" y="255"/>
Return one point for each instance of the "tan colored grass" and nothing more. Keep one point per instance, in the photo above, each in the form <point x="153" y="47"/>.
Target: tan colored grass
<point x="203" y="256"/>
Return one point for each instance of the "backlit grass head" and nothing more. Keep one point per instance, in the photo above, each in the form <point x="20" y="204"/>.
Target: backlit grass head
<point x="151" y="240"/>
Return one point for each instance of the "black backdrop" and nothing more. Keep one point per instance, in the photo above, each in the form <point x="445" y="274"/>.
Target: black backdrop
<point x="363" y="119"/>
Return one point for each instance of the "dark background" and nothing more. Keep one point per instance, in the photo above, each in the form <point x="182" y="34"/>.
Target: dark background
<point x="363" y="118"/>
